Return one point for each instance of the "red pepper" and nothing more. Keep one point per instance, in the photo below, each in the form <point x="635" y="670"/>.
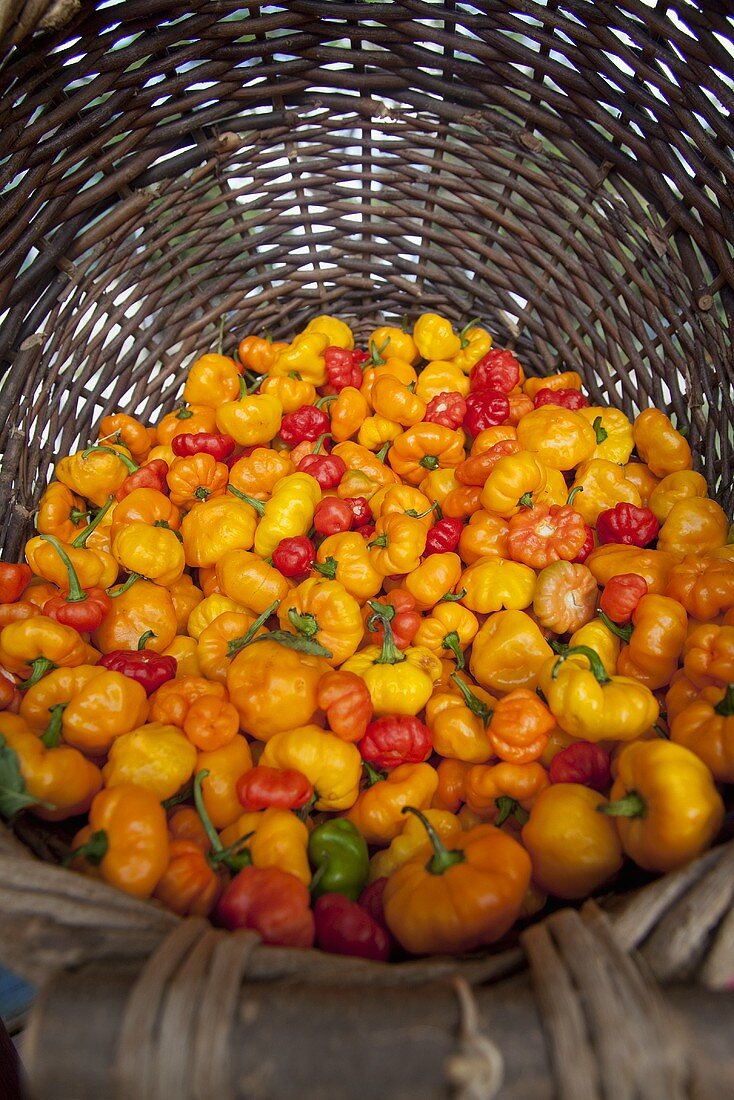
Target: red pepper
<point x="396" y="739"/>
<point x="13" y="580"/>
<point x="344" y="928"/>
<point x="360" y="510"/>
<point x="347" y="704"/>
<point x="332" y="516"/>
<point x="586" y="548"/>
<point x="627" y="524"/>
<point x="262" y="787"/>
<point x="621" y="596"/>
<point x="367" y="531"/>
<point x="145" y="667"/>
<point x="306" y="423"/>
<point x="272" y="902"/>
<point x="567" y="399"/>
<point x="447" y="408"/>
<point x="372" y="899"/>
<point x="405" y="620"/>
<point x="584" y="763"/>
<point x="343" y="367"/>
<point x="497" y="370"/>
<point x="150" y="476"/>
<point x="9" y="694"/>
<point x="327" y="469"/>
<point x="83" y="613"/>
<point x="209" y="443"/>
<point x="443" y="538"/>
<point x="485" y="409"/>
<point x="294" y="556"/>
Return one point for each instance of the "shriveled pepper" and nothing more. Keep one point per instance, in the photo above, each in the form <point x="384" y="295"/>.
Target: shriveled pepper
<point x="463" y="897"/>
<point x="377" y="813"/>
<point x="664" y="804"/>
<point x="659" y="444"/>
<point x="508" y="652"/>
<point x="331" y="765"/>
<point x="339" y="858"/>
<point x="573" y="849"/>
<point x="127" y="839"/>
<point x="498" y="369"/>
<point x="628" y="524"/>
<point x="54" y="783"/>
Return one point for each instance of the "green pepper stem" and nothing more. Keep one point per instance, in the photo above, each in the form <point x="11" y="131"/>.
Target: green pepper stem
<point x="184" y="412"/>
<point x="81" y="539"/>
<point x="304" y="623"/>
<point x="326" y="569"/>
<point x="145" y="638"/>
<point x="558" y="647"/>
<point x="201" y="810"/>
<point x="236" y="644"/>
<point x="382" y="453"/>
<point x="389" y="654"/>
<point x="120" y="588"/>
<point x="39" y="668"/>
<point x="128" y="463"/>
<point x="525" y="501"/>
<point x="374" y="775"/>
<point x="322" y="439"/>
<point x="595" y="662"/>
<point x="442" y="859"/>
<point x="623" y="632"/>
<point x="325" y="400"/>
<point x="574" y="493"/>
<point x="376" y="359"/>
<point x="380" y="541"/>
<point x="726" y="707"/>
<point x="462" y="333"/>
<point x="246" y="390"/>
<point x="599" y="430"/>
<point x="76" y="592"/>
<point x="94" y="850"/>
<point x="52" y="735"/>
<point x="453" y="597"/>
<point x="319" y="873"/>
<point x="474" y="703"/>
<point x="429" y="462"/>
<point x="296" y="642"/>
<point x="76" y="515"/>
<point x="452" y="642"/>
<point x="631" y="805"/>
<point x="256" y="504"/>
<point x="510" y="807"/>
<point x="421" y="515"/>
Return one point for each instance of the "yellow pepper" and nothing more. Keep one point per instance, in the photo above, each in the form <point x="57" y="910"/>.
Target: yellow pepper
<point x="393" y="342"/>
<point x="332" y="766"/>
<point x="508" y="652"/>
<point x="32" y="647"/>
<point x="665" y="805"/>
<point x="304" y="356"/>
<point x="398" y="682"/>
<point x="694" y="526"/>
<point x="597" y="636"/>
<point x="279" y="839"/>
<point x="212" y="380"/>
<point x="251" y="420"/>
<point x="458" y="722"/>
<point x="405" y="500"/>
<point x="659" y="444"/>
<point x="376" y="431"/>
<point x="345" y="558"/>
<point x="143" y="607"/>
<point x="593" y="706"/>
<point x="561" y="437"/>
<point x="95" y="473"/>
<point x="604" y="485"/>
<point x="274" y="688"/>
<point x="555" y="490"/>
<point x="514" y="483"/>
<point x="475" y="343"/>
<point x="186" y="596"/>
<point x="433" y="579"/>
<point x="250" y="581"/>
<point x="215" y="526"/>
<point x="378" y="812"/>
<point x="324" y="611"/>
<point x="94" y="568"/>
<point x="337" y="332"/>
<point x="288" y="513"/>
<point x="57" y="783"/>
<point x="653" y="565"/>
<point x="643" y="479"/>
<point x="395" y="401"/>
<point x="437" y="485"/>
<point x="155" y="553"/>
<point x="61" y="513"/>
<point x="564" y="380"/>
<point x="441" y="376"/>
<point x="292" y="392"/>
<point x="397" y="545"/>
<point x="494" y="584"/>
<point x="358" y="458"/>
<point x="185" y="650"/>
<point x="613" y="432"/>
<point x="435" y="338"/>
<point x="413" y="841"/>
<point x="674" y="488"/>
<point x="224" y="766"/>
<point x="210" y="608"/>
<point x="155" y="756"/>
<point x="450" y="627"/>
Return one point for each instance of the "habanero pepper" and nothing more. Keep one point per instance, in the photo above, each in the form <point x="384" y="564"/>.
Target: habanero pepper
<point x="306" y="423"/>
<point x="582" y="762"/>
<point x="294" y="556"/>
<point x="14" y="580"/>
<point x="566" y="399"/>
<point x="218" y="445"/>
<point x="146" y="668"/>
<point x="332" y="516"/>
<point x="285" y="789"/>
<point x="485" y="409"/>
<point x="345" y="928"/>
<point x="443" y="537"/>
<point x="346" y="703"/>
<point x="447" y="408"/>
<point x="627" y="524"/>
<point x="345" y="558"/>
<point x="271" y="902"/>
<point x="621" y="596"/>
<point x="498" y="370"/>
<point x="396" y="739"/>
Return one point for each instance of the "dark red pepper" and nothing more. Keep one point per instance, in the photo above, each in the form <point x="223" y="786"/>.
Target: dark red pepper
<point x="567" y="399"/>
<point x="332" y="516"/>
<point x="150" y="476"/>
<point x="360" y="510"/>
<point x="14" y="580"/>
<point x="396" y="739"/>
<point x="497" y="370"/>
<point x="367" y="531"/>
<point x="306" y="423"/>
<point x="586" y="548"/>
<point x="485" y="409"/>
<point x="627" y="524"/>
<point x="446" y="408"/>
<point x="404" y="622"/>
<point x="327" y="469"/>
<point x="584" y="763"/>
<point x="621" y="596"/>
<point x="145" y="667"/>
<point x="345" y="928"/>
<point x="294" y="556"/>
<point x="209" y="443"/>
<point x="372" y="899"/>
<point x="262" y="787"/>
<point x="343" y="367"/>
<point x="443" y="538"/>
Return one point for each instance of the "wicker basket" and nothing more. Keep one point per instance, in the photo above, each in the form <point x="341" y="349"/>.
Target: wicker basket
<point x="563" y="171"/>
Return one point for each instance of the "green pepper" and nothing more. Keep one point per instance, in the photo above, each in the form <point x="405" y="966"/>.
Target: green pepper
<point x="338" y="855"/>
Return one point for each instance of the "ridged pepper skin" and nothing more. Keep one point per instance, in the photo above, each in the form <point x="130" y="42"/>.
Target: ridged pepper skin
<point x="378" y="811"/>
<point x="706" y="727"/>
<point x="332" y="766"/>
<point x="274" y="688"/>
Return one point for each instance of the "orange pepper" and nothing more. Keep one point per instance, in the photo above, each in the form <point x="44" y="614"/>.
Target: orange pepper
<point x="196" y="477"/>
<point x="211" y="723"/>
<point x="219" y="788"/>
<point x="673" y="488"/>
<point x="171" y="702"/>
<point x="347" y="704"/>
<point x="520" y="406"/>
<point x="704" y="586"/>
<point x="451" y="790"/>
<point x="348" y="413"/>
<point x="659" y="633"/>
<point x="257" y="474"/>
<point x="476" y="469"/>
<point x="258" y="354"/>
<point x="61" y="513"/>
<point x="144" y="506"/>
<point x="613" y="559"/>
<point x="487" y="439"/>
<point x="643" y="479"/>
<point x="462" y="502"/>
<point x="706" y="727"/>
<point x="128" y="432"/>
<point x="222" y="640"/>
<point x="184" y="421"/>
<point x="186" y="596"/>
<point x="142" y="607"/>
<point x="359" y="458"/>
<point x="708" y="654"/>
<point x="485" y="535"/>
<point x="659" y="444"/>
<point x="423" y="447"/>
<point x="505" y="791"/>
<point x="565" y="380"/>
<point x="681" y="692"/>
<point x="519" y="727"/>
<point x="250" y="580"/>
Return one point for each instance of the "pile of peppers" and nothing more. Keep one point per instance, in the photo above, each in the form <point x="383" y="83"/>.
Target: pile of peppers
<point x="372" y="648"/>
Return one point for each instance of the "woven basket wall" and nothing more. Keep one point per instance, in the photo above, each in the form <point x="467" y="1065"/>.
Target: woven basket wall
<point x="561" y="170"/>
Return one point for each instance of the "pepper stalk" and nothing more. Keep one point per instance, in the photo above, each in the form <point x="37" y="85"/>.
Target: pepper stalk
<point x="442" y="859"/>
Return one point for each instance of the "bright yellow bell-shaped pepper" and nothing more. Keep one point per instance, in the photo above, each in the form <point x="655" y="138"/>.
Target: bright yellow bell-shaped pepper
<point x="494" y="584"/>
<point x="604" y="485"/>
<point x="155" y="756"/>
<point x="332" y="766"/>
<point x="251" y="420"/>
<point x="155" y="553"/>
<point x="304" y="356"/>
<point x="413" y="840"/>
<point x="216" y="526"/>
<point x="278" y="839"/>
<point x="508" y="652"/>
<point x="613" y="431"/>
<point x="288" y="513"/>
<point x="514" y="483"/>
<point x="561" y="437"/>
<point x="338" y="332"/>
